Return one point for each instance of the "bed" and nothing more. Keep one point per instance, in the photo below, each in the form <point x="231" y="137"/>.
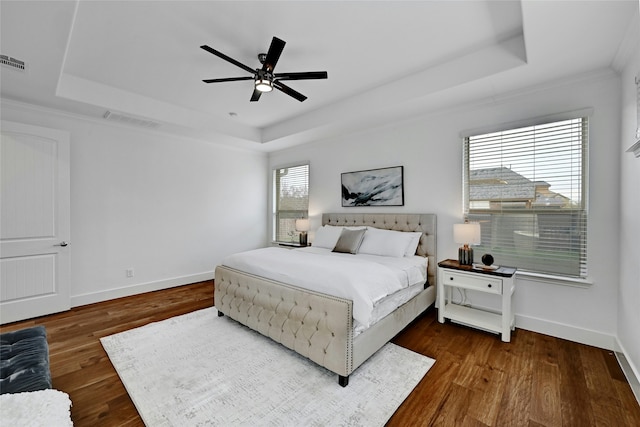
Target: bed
<point x="318" y="325"/>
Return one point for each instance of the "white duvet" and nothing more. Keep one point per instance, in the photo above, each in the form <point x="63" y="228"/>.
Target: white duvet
<point x="364" y="279"/>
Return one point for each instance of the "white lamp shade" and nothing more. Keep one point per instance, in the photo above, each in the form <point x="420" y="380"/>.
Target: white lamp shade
<point x="467" y="233"/>
<point x="302" y="224"/>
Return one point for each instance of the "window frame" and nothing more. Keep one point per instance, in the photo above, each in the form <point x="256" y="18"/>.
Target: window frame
<point x="275" y="202"/>
<point x="582" y="278"/>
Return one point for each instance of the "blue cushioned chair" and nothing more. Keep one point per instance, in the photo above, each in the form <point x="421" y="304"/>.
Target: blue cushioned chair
<point x="24" y="361"/>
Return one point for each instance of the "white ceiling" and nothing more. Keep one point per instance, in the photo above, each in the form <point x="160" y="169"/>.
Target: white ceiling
<point x="385" y="59"/>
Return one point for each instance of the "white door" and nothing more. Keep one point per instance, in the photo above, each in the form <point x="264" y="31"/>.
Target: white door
<point x="34" y="221"/>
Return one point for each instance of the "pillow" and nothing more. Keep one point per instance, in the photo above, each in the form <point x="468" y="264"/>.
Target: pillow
<point x="413" y="243"/>
<point x="327" y="236"/>
<point x="349" y="241"/>
<point x="385" y="242"/>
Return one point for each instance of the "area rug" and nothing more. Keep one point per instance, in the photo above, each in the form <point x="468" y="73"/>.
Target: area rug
<point x="200" y="369"/>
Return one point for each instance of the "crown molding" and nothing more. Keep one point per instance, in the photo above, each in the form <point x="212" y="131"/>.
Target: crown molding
<point x="26" y="107"/>
<point x="628" y="45"/>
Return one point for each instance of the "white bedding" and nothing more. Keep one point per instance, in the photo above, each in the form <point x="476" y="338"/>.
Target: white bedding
<point x="387" y="305"/>
<point x="365" y="279"/>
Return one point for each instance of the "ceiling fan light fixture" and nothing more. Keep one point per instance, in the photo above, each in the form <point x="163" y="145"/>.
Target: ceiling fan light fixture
<point x="264" y="85"/>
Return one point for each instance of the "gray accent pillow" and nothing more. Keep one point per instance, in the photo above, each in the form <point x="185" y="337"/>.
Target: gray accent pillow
<point x="349" y="241"/>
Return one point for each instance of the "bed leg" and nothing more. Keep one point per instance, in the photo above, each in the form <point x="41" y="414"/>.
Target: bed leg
<point x="343" y="381"/>
<point x="220" y="314"/>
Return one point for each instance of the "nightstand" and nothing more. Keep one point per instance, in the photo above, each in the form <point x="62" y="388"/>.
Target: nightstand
<point x="499" y="282"/>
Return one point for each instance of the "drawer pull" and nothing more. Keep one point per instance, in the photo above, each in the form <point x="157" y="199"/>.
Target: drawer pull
<point x="489" y="285"/>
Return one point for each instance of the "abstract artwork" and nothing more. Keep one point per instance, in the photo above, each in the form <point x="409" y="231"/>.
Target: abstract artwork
<point x="375" y="187"/>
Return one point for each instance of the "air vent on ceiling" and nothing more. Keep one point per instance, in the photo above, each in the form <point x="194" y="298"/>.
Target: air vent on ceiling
<point x="130" y="120"/>
<point x="13" y="63"/>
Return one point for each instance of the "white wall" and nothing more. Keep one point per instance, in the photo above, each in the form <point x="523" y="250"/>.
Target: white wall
<point x="168" y="207"/>
<point x="430" y="149"/>
<point x="629" y="296"/>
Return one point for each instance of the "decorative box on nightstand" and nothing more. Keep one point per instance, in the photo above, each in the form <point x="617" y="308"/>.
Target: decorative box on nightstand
<point x="498" y="281"/>
<point x="291" y="245"/>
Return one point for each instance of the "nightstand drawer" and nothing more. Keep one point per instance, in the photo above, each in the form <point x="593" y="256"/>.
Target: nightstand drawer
<point x="482" y="283"/>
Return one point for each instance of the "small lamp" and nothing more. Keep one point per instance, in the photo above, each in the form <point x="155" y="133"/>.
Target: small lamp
<point x="467" y="234"/>
<point x="302" y="225"/>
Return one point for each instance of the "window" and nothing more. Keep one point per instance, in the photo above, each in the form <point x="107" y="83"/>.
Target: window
<point x="291" y="200"/>
<point x="527" y="189"/>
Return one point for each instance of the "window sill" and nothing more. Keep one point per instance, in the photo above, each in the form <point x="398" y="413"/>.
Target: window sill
<point x="555" y="280"/>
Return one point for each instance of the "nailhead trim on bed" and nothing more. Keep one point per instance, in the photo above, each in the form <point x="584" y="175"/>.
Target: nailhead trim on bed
<point x="318" y="326"/>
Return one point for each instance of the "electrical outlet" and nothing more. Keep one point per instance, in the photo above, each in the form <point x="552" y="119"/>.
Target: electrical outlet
<point x="129" y="272"/>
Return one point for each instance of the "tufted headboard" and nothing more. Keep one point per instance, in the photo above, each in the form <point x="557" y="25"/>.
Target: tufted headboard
<point x="398" y="222"/>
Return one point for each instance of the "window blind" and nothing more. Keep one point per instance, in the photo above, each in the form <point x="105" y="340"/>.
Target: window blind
<point x="291" y="193"/>
<point x="527" y="189"/>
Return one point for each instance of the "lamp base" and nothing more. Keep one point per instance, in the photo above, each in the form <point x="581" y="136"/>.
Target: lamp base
<point x="465" y="256"/>
<point x="303" y="238"/>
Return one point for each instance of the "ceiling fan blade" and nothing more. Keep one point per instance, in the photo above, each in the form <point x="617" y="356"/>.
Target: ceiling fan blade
<point x="309" y="75"/>
<point x="273" y="54"/>
<point x="228" y="79"/>
<point x="228" y="59"/>
<point x="286" y="89"/>
<point x="256" y="95"/>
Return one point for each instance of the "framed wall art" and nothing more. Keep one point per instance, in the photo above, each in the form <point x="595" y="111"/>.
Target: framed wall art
<point x="374" y="187"/>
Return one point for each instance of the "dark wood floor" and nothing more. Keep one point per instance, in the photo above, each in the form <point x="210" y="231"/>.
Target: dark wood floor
<point x="477" y="380"/>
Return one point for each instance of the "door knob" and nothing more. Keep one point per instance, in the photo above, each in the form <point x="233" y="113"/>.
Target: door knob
<point x="63" y="244"/>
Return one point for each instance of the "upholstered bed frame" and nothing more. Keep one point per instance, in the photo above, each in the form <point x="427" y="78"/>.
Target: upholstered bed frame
<point x="320" y="326"/>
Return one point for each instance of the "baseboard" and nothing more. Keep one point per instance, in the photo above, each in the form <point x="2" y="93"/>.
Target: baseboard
<point x="90" y="298"/>
<point x="567" y="332"/>
<point x="630" y="370"/>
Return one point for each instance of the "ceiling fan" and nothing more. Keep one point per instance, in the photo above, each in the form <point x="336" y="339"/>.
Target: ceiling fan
<point x="265" y="80"/>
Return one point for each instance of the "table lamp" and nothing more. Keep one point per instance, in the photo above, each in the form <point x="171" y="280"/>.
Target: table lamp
<point x="467" y="234"/>
<point x="302" y="225"/>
